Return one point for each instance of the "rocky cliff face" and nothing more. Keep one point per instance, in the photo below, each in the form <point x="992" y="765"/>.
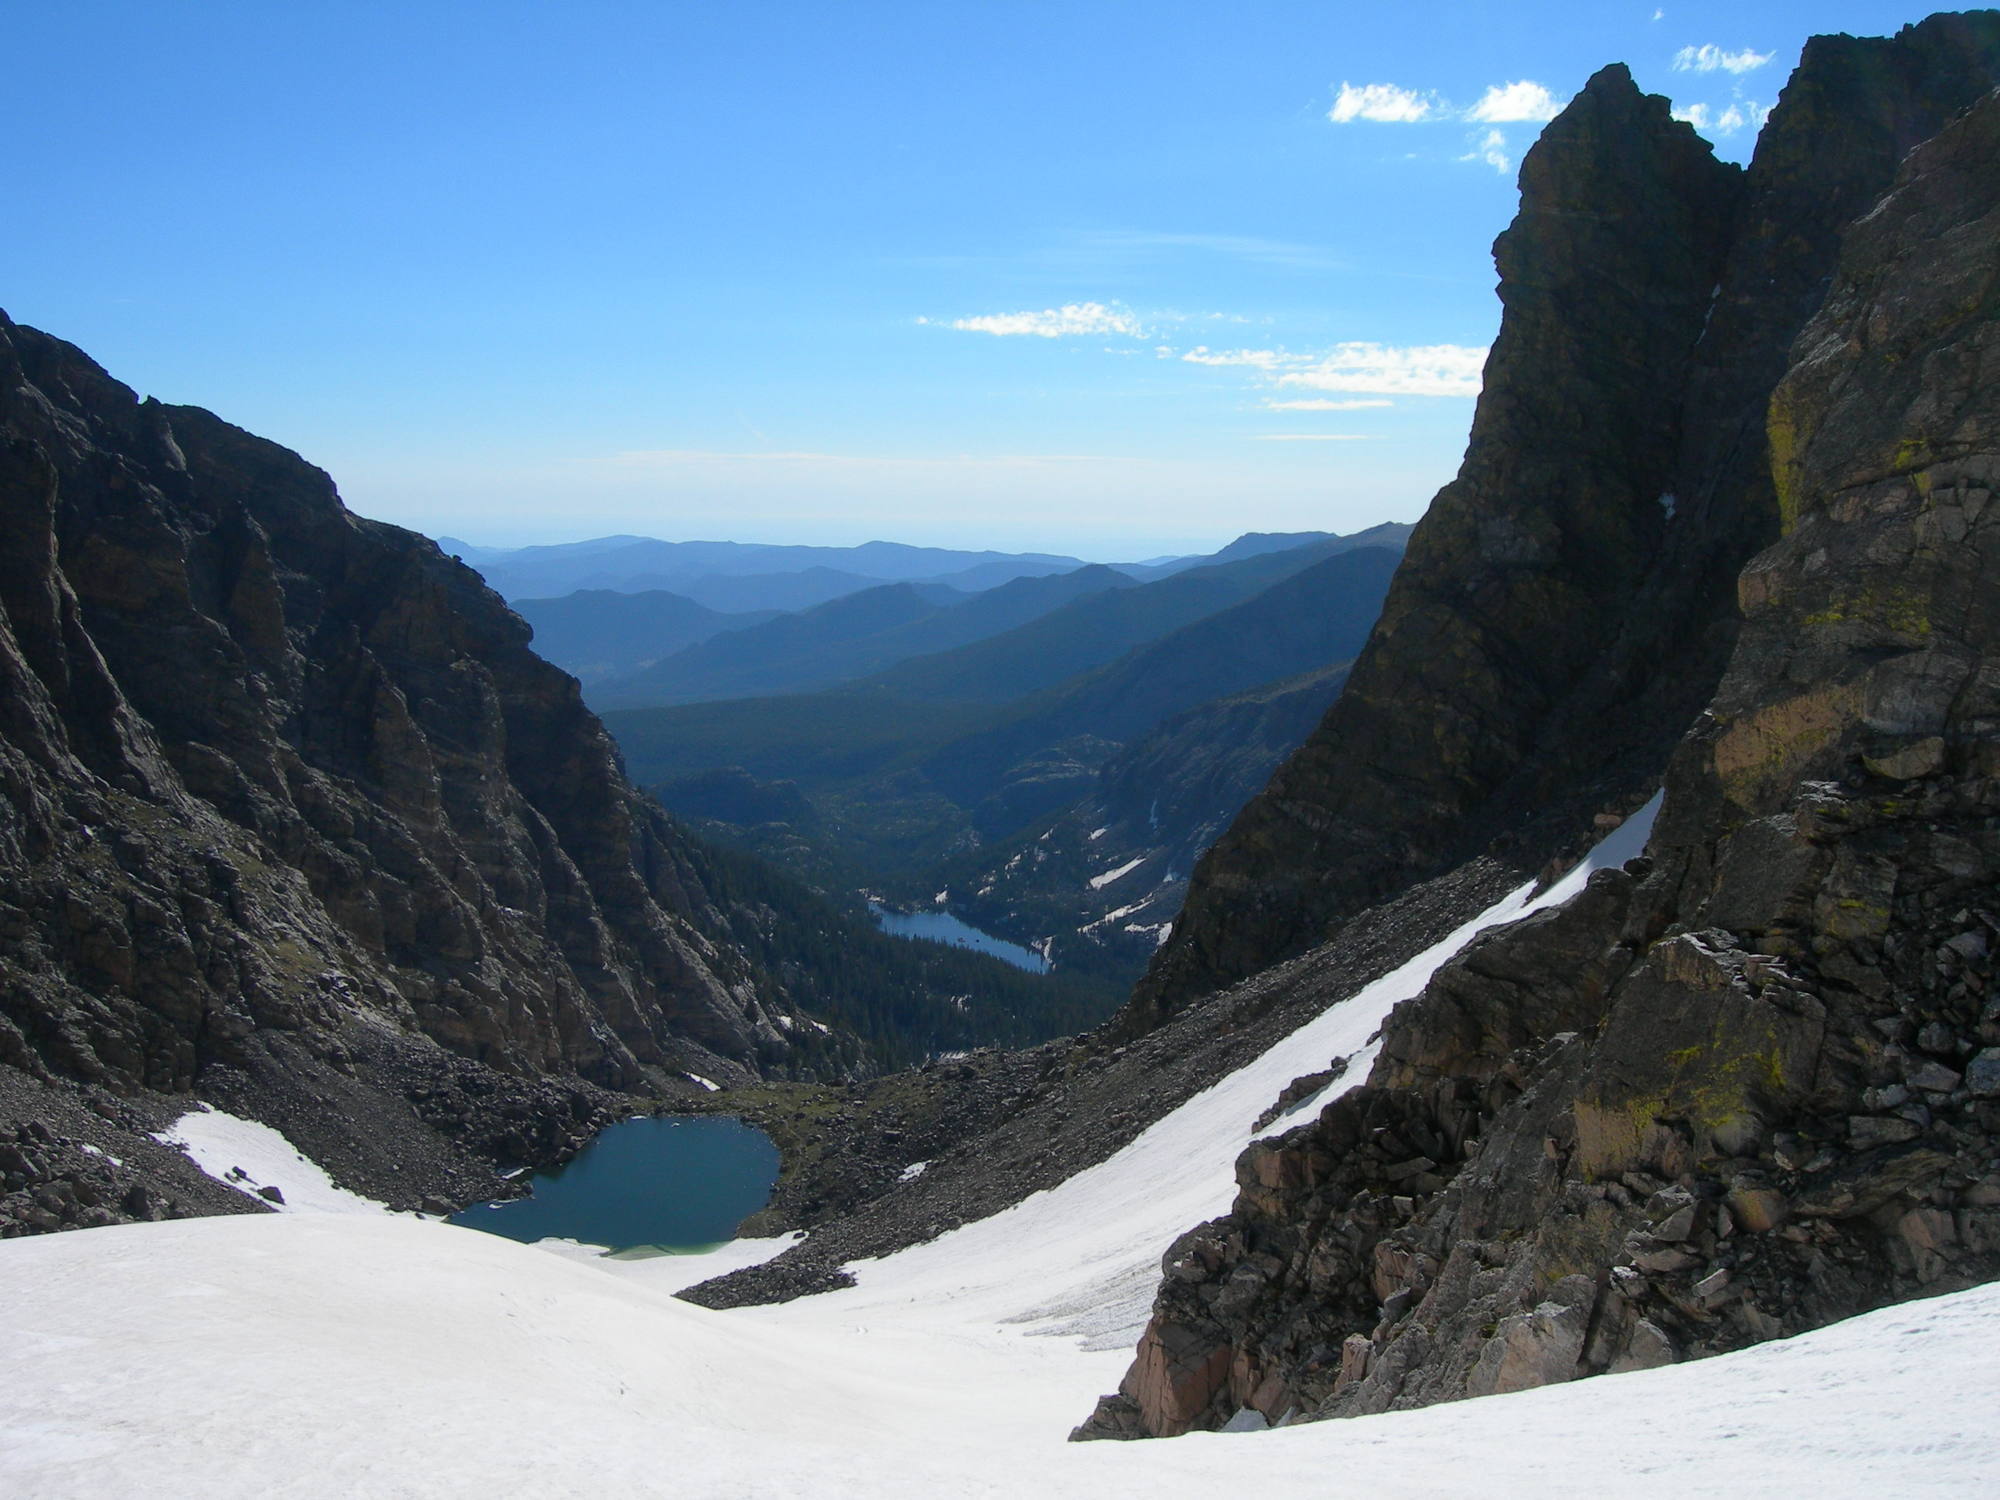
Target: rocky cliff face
<point x="279" y="777"/>
<point x="1567" y="604"/>
<point x="1750" y="1083"/>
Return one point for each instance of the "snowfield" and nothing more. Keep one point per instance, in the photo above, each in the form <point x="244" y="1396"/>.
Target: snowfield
<point x="330" y="1355"/>
<point x="344" y="1354"/>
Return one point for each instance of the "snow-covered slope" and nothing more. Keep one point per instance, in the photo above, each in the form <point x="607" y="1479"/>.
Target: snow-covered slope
<point x="339" y="1355"/>
<point x="323" y="1354"/>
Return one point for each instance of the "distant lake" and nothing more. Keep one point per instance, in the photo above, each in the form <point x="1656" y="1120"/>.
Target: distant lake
<point x="681" y="1183"/>
<point x="943" y="927"/>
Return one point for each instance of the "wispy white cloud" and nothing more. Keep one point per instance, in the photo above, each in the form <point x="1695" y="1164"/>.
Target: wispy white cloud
<point x="1313" y="437"/>
<point x="1522" y="102"/>
<point x="1708" y="58"/>
<point x="1255" y="359"/>
<point x="1070" y="319"/>
<point x="1386" y="370"/>
<point x="1360" y="368"/>
<point x="1725" y="121"/>
<point x="1491" y="148"/>
<point x="1321" y="403"/>
<point x="1515" y="103"/>
<point x="1383" y="103"/>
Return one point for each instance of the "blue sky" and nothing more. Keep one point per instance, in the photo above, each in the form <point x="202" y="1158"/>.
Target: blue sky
<point x="1116" y="279"/>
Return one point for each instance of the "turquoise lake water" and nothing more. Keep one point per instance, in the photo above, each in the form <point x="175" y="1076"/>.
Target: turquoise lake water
<point x="943" y="927"/>
<point x="677" y="1183"/>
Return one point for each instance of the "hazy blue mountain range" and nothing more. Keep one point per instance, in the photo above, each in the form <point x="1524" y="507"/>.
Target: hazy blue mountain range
<point x="901" y="780"/>
<point x="1090" y="631"/>
<point x="846" y="638"/>
<point x="1310" y="620"/>
<point x="630" y="564"/>
<point x="826" y="627"/>
<point x="598" y="633"/>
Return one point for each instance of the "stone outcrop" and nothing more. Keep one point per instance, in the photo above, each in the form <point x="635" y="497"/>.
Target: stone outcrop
<point x="1567" y="604"/>
<point x="1749" y="1083"/>
<point x="274" y="774"/>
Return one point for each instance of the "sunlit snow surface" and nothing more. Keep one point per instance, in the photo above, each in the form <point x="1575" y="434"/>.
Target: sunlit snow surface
<point x="313" y="1354"/>
<point x="248" y="1155"/>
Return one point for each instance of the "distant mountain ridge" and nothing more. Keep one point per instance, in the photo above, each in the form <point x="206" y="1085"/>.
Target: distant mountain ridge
<point x="912" y="788"/>
<point x="736" y="577"/>
<point x="598" y="633"/>
<point x="1309" y="618"/>
<point x="846" y="638"/>
<point x="1093" y="630"/>
<point x="694" y="569"/>
<point x="923" y="639"/>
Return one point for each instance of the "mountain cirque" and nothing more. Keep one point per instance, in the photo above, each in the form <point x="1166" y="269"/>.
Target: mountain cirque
<point x="296" y="817"/>
<point x="1751" y="1083"/>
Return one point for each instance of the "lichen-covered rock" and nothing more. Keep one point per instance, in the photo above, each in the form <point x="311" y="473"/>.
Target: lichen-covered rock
<point x="1729" y="1092"/>
<point x="1567" y="604"/>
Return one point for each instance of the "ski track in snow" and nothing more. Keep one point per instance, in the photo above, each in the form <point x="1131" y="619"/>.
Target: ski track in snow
<point x="320" y="1355"/>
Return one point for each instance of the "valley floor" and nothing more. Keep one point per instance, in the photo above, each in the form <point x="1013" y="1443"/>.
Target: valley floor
<point x="321" y="1354"/>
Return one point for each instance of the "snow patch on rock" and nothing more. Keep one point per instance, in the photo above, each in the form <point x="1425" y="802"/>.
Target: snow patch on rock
<point x="1098" y="882"/>
<point x="250" y="1157"/>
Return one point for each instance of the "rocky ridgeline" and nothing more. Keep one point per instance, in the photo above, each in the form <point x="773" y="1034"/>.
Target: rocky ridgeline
<point x="1567" y="604"/>
<point x="1750" y="1083"/>
<point x="293" y="814"/>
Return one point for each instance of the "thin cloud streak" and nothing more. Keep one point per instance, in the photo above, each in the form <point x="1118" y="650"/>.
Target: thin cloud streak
<point x="1521" y="102"/>
<point x="1361" y="368"/>
<point x="1069" y="320"/>
<point x="1710" y="58"/>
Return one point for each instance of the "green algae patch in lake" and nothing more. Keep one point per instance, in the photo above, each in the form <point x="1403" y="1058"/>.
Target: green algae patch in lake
<point x="674" y="1183"/>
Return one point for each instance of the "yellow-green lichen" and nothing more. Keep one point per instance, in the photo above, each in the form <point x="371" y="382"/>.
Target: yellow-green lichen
<point x="1888" y="606"/>
<point x="1761" y="752"/>
<point x="1783" y="435"/>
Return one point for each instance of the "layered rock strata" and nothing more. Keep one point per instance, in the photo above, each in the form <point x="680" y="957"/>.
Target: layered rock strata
<point x="1750" y="1083"/>
<point x="1567" y="604"/>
